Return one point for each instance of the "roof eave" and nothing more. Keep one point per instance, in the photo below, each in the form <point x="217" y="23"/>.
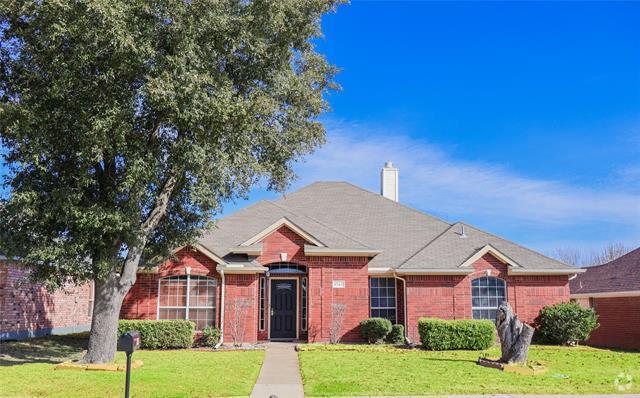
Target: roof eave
<point x="252" y="250"/>
<point x="312" y="251"/>
<point x="560" y="271"/>
<point x="626" y="293"/>
<point x="231" y="269"/>
<point x="443" y="271"/>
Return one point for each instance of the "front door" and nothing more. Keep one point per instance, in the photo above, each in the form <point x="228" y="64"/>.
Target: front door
<point x="283" y="308"/>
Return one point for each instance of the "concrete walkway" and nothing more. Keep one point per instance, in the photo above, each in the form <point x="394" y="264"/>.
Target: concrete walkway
<point x="507" y="396"/>
<point x="280" y="373"/>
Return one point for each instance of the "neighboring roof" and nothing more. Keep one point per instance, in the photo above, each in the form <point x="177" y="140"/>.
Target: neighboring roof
<point x="349" y="219"/>
<point x="619" y="275"/>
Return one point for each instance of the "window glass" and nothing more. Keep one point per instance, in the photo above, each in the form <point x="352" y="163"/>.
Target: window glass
<point x="486" y="294"/>
<point x="188" y="297"/>
<point x="262" y="302"/>
<point x="303" y="316"/>
<point x="383" y="298"/>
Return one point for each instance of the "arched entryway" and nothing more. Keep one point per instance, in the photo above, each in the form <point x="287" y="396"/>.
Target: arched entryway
<point x="284" y="301"/>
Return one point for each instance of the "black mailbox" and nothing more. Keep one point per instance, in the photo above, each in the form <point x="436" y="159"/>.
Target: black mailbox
<point x="129" y="342"/>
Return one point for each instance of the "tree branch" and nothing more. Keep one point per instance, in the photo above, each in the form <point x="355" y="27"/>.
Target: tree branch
<point x="128" y="277"/>
<point x="162" y="202"/>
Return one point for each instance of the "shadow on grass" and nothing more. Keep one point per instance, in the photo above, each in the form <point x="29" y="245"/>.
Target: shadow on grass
<point x="474" y="361"/>
<point x="52" y="349"/>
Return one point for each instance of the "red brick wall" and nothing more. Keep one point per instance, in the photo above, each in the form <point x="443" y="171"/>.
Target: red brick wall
<point x="449" y="297"/>
<point x="142" y="300"/>
<point x="322" y="271"/>
<point x="27" y="309"/>
<point x="619" y="320"/>
<point x="241" y="308"/>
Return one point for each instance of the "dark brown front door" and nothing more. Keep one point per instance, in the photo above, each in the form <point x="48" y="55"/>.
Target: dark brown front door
<point x="283" y="308"/>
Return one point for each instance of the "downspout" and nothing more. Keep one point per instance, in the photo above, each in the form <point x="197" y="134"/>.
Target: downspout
<point x="404" y="301"/>
<point x="221" y="271"/>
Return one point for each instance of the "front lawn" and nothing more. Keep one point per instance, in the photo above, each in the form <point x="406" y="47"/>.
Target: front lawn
<point x="26" y="370"/>
<point x="344" y="370"/>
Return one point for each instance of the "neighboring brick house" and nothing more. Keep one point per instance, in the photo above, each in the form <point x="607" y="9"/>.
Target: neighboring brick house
<point x="281" y="269"/>
<point x="613" y="290"/>
<point x="28" y="310"/>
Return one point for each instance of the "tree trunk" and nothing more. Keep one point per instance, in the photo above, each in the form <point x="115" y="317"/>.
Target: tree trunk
<point x="104" y="323"/>
<point x="519" y="351"/>
<point x="515" y="336"/>
<point x="109" y="293"/>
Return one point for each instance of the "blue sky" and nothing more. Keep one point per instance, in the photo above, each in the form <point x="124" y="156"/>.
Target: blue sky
<point x="520" y="118"/>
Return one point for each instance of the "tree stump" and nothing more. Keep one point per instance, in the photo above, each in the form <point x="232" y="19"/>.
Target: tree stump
<point x="515" y="336"/>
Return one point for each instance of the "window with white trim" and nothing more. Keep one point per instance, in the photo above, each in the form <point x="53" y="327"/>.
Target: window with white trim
<point x="188" y="297"/>
<point x="383" y="298"/>
<point x="263" y="287"/>
<point x="303" y="315"/>
<point x="92" y="293"/>
<point x="486" y="294"/>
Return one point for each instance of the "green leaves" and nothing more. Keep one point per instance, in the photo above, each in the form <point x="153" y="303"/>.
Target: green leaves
<point x="464" y="334"/>
<point x="566" y="323"/>
<point x="103" y="102"/>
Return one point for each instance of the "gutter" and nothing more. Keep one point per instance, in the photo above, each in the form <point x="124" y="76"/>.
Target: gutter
<point x="404" y="301"/>
<point x="222" y="289"/>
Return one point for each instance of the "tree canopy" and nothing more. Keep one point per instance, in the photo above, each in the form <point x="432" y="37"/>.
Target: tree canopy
<point x="126" y="124"/>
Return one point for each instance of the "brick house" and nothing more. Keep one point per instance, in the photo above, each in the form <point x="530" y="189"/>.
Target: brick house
<point x="282" y="269"/>
<point x="613" y="291"/>
<point x="28" y="310"/>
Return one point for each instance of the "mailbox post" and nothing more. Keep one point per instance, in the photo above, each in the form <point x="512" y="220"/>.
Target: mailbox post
<point x="129" y="342"/>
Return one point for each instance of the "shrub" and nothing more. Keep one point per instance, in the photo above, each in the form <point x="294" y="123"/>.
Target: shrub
<point x="440" y="334"/>
<point x="566" y="323"/>
<point x="396" y="335"/>
<point x="209" y="338"/>
<point x="375" y="329"/>
<point x="160" y="334"/>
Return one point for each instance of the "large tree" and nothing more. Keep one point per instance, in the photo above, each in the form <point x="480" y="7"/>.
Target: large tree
<point x="127" y="123"/>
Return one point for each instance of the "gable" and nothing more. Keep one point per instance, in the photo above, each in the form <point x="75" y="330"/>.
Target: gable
<point x="488" y="249"/>
<point x="276" y="226"/>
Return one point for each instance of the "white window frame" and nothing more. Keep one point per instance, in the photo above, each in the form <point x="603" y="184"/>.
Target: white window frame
<point x="187" y="305"/>
<point x="262" y="303"/>
<point x="483" y="308"/>
<point x="304" y="303"/>
<point x="395" y="298"/>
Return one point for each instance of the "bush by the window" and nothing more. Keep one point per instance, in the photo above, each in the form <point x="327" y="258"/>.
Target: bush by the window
<point x="396" y="335"/>
<point x="210" y="337"/>
<point x="374" y="330"/>
<point x="566" y="323"/>
<point x="440" y="334"/>
<point x="160" y="334"/>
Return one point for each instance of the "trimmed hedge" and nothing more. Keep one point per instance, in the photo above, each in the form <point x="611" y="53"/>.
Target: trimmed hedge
<point x="374" y="330"/>
<point x="160" y="334"/>
<point x="210" y="337"/>
<point x="566" y="323"/>
<point x="440" y="334"/>
<point x="396" y="335"/>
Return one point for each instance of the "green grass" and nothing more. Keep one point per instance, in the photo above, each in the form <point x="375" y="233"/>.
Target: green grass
<point x="26" y="370"/>
<point x="343" y="370"/>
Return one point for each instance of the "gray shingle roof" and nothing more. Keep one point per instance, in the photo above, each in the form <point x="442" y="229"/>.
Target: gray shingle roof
<point x="450" y="249"/>
<point x="344" y="216"/>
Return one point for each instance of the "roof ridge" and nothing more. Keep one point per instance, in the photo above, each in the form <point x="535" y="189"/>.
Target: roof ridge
<point x="614" y="260"/>
<point x="318" y="222"/>
<point x="427" y="244"/>
<point x="413" y="209"/>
